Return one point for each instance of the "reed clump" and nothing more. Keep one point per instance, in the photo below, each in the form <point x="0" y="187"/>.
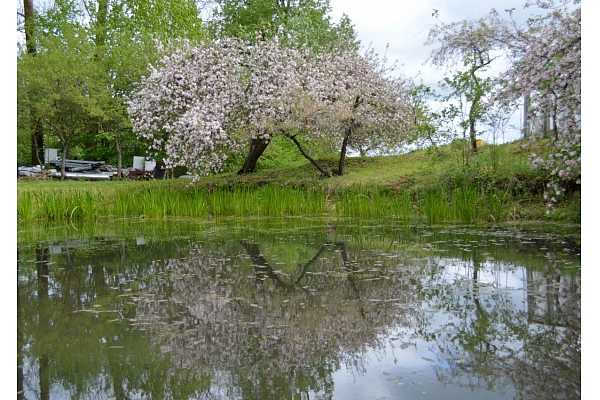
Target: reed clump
<point x="497" y="185"/>
<point x="465" y="204"/>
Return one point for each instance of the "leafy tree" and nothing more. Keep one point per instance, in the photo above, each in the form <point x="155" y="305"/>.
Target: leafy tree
<point x="424" y="121"/>
<point x="123" y="33"/>
<point x="303" y="22"/>
<point x="216" y="97"/>
<point x="470" y="45"/>
<point x="63" y="86"/>
<point x="28" y="28"/>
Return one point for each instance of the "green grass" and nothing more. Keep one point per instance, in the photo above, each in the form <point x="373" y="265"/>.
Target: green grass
<point x="497" y="185"/>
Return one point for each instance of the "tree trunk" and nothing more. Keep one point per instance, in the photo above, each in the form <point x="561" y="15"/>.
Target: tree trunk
<point x="28" y="11"/>
<point x="37" y="141"/>
<point x="342" y="161"/>
<point x="349" y="130"/>
<point x="309" y="158"/>
<point x="37" y="138"/>
<point x="473" y="115"/>
<point x="257" y="147"/>
<point x="475" y="111"/>
<point x="472" y="134"/>
<point x="526" y="128"/>
<point x="119" y="155"/>
<point x="100" y="38"/>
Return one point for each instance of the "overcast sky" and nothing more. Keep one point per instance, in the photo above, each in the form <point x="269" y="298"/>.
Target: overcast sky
<point x="404" y="26"/>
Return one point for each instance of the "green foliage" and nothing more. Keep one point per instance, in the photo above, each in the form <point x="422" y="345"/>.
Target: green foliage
<point x="301" y="23"/>
<point x="23" y="146"/>
<point x="98" y="50"/>
<point x="62" y="85"/>
<point x="160" y="19"/>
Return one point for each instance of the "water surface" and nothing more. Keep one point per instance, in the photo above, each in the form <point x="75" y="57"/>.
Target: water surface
<point x="298" y="309"/>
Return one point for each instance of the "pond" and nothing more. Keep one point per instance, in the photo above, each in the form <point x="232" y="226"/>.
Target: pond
<point x="298" y="308"/>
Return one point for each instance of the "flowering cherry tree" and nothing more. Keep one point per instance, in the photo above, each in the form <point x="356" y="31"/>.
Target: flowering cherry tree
<point x="279" y="83"/>
<point x="546" y="67"/>
<point x="339" y="99"/>
<point x="203" y="103"/>
<point x="369" y="106"/>
<point x="353" y="103"/>
<point x="188" y="106"/>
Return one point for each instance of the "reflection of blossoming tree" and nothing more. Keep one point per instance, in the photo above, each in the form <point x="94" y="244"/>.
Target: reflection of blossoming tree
<point x="272" y="332"/>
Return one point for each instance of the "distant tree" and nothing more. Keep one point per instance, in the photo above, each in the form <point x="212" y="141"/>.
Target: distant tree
<point x="426" y="128"/>
<point x="63" y="87"/>
<point x="470" y="46"/>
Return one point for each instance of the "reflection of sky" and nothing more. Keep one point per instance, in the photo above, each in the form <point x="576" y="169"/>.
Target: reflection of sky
<point x="494" y="277"/>
<point x="395" y="372"/>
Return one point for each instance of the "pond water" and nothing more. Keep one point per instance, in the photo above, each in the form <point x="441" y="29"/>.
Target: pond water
<point x="298" y="309"/>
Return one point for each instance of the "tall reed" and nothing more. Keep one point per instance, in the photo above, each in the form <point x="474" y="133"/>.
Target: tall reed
<point x="437" y="206"/>
<point x="465" y="203"/>
<point x="25" y="208"/>
<point x="496" y="201"/>
<point x="403" y="206"/>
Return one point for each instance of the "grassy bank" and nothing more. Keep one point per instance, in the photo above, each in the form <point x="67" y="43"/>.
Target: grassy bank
<point x="496" y="184"/>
